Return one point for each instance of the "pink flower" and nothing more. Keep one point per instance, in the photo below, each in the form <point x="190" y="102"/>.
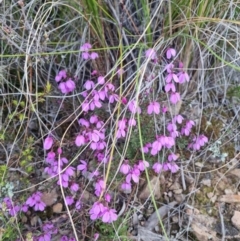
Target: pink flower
<point x="125" y="168"/>
<point x="89" y="85"/>
<point x="95" y="236"/>
<point x="85" y="55"/>
<point x="133" y="174"/>
<point x="63" y="88"/>
<point x="83" y="166"/>
<point x="58" y="78"/>
<point x="127" y="187"/>
<point x="97" y="210"/>
<point x="48" y="142"/>
<point x="132" y="122"/>
<point x="151" y="54"/>
<point x="70" y="85"/>
<point x="145" y="148"/>
<point x="175" y="97"/>
<point x="93" y="55"/>
<point x="120" y="72"/>
<point x="171" y="76"/>
<point x="172" y="128"/>
<point x="169" y="68"/>
<point x="63" y="74"/>
<point x="101" y="80"/>
<point x="142" y="165"/>
<point x="178" y="119"/>
<point x="157" y="167"/>
<point x="173" y="167"/>
<point x="35" y="201"/>
<point x="78" y="205"/>
<point x="80" y="140"/>
<point x="156" y="146"/>
<point x="170" y="86"/>
<point x="74" y="187"/>
<point x="124" y="100"/>
<point x="94" y="72"/>
<point x="109" y="215"/>
<point x="199" y="142"/>
<point x="83" y="122"/>
<point x="183" y="76"/>
<point x="100" y="186"/>
<point x="107" y="197"/>
<point x="172" y="157"/>
<point x="153" y="107"/>
<point x="133" y="107"/>
<point x="86" y="47"/>
<point x="69" y="200"/>
<point x="171" y="53"/>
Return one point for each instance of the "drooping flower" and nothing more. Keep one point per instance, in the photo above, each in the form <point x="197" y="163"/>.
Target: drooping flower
<point x="171" y="52"/>
<point x="48" y="142"/>
<point x="97" y="210"/>
<point x="153" y="107"/>
<point x="109" y="215"/>
<point x="157" y="167"/>
<point x="175" y="97"/>
<point x="125" y="168"/>
<point x="151" y="54"/>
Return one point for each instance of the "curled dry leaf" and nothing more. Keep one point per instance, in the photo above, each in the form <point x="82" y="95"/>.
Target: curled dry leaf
<point x="49" y="198"/>
<point x="57" y="208"/>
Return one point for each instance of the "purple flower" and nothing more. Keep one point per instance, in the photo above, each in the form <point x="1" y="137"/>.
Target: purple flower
<point x="133" y="107"/>
<point x="35" y="201"/>
<point x="109" y="215"/>
<point x="70" y="85"/>
<point x="172" y="157"/>
<point x="63" y="74"/>
<point x="151" y="54"/>
<point x="89" y="84"/>
<point x="86" y="47"/>
<point x="63" y="88"/>
<point x="107" y="197"/>
<point x="80" y="140"/>
<point x="101" y="80"/>
<point x="64" y="238"/>
<point x="74" y="187"/>
<point x="97" y="210"/>
<point x="171" y="52"/>
<point x="145" y="148"/>
<point x="69" y="200"/>
<point x="126" y="186"/>
<point x="170" y="86"/>
<point x="183" y="77"/>
<point x="48" y="142"/>
<point x="85" y="55"/>
<point x="24" y="208"/>
<point x="142" y="165"/>
<point x="125" y="167"/>
<point x="100" y="186"/>
<point x="132" y="122"/>
<point x="95" y="236"/>
<point x="14" y="210"/>
<point x="171" y="76"/>
<point x="93" y="55"/>
<point x="175" y="97"/>
<point x="133" y="174"/>
<point x="153" y="107"/>
<point x="45" y="237"/>
<point x="178" y="119"/>
<point x="157" y="167"/>
<point x="78" y="205"/>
